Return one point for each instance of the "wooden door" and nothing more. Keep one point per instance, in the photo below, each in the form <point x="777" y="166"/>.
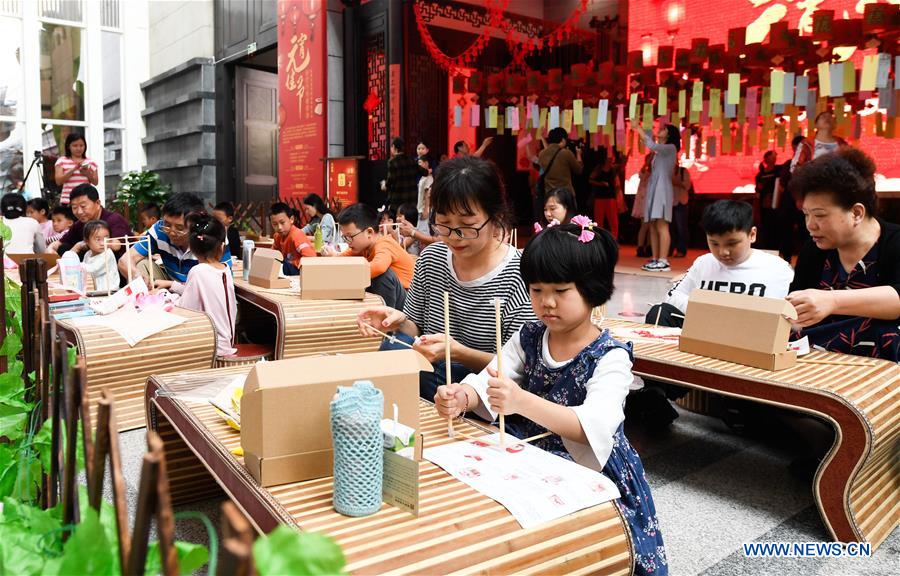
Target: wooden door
<point x="256" y="154"/>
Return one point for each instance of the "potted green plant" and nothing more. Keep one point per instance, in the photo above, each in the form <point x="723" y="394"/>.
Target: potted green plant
<point x="138" y="189"/>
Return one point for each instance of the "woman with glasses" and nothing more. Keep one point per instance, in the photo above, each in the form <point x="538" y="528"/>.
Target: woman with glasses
<point x="472" y="262"/>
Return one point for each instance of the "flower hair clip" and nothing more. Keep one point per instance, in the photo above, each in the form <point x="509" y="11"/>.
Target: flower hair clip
<point x="587" y="228"/>
<point x="538" y="228"/>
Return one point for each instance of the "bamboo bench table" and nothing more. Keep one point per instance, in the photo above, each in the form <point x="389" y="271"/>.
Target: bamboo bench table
<point x="458" y="529"/>
<point x="857" y="485"/>
<point x="112" y="364"/>
<point x="306" y="327"/>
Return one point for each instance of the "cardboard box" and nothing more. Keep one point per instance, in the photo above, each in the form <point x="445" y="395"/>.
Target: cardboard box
<point x="743" y="329"/>
<point x="338" y="278"/>
<point x="265" y="267"/>
<point x="285" y="409"/>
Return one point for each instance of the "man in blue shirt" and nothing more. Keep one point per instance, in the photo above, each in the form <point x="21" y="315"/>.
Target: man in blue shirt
<point x="168" y="238"/>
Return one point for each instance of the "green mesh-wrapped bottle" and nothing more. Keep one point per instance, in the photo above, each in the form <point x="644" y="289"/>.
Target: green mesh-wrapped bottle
<point x="317" y="239"/>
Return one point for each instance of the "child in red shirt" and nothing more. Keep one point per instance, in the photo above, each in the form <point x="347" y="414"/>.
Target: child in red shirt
<point x="289" y="240"/>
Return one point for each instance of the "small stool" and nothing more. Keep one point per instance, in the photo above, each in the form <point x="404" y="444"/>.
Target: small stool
<point x="246" y="354"/>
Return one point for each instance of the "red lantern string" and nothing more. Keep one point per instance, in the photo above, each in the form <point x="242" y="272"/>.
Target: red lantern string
<point x="495" y="8"/>
<point x="520" y="50"/>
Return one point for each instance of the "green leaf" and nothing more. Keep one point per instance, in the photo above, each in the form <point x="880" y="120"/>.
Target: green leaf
<point x="12" y="420"/>
<point x="12" y="345"/>
<point x="28" y="536"/>
<point x="28" y="477"/>
<point x="88" y="551"/>
<point x="191" y="557"/>
<point x="5" y="232"/>
<point x="41" y="443"/>
<point x="286" y="551"/>
<point x="7" y="469"/>
<point x="11" y="385"/>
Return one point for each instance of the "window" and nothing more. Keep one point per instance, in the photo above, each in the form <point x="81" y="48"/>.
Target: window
<point x="62" y="75"/>
<point x="70" y="10"/>
<point x="11" y="65"/>
<point x="12" y="161"/>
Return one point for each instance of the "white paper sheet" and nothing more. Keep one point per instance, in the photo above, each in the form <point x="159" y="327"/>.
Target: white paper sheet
<point x="131" y="325"/>
<point x="535" y="486"/>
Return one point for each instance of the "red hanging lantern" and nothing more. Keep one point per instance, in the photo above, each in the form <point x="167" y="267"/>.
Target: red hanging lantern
<point x="459" y="84"/>
<point x="476" y="81"/>
<point x="555" y="79"/>
<point x="823" y="25"/>
<point x="579" y="74"/>
<point x="665" y="56"/>
<point x="495" y="84"/>
<point x="699" y="50"/>
<point x="877" y="18"/>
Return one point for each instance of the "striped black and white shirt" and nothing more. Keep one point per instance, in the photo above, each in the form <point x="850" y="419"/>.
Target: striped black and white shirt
<point x="471" y="303"/>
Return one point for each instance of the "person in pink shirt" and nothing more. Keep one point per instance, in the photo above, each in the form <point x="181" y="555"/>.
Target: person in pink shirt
<point x="74" y="168"/>
<point x="210" y="287"/>
<point x="39" y="209"/>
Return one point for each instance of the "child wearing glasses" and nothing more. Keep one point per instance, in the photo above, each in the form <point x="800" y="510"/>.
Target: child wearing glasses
<point x="390" y="265"/>
<point x="289" y="239"/>
<point x="472" y="262"/>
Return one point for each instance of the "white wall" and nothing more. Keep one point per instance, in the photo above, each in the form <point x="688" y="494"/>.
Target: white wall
<point x="180" y="30"/>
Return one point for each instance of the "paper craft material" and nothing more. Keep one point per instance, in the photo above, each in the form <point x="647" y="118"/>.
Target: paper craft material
<point x="647" y="334"/>
<point x="285" y="408"/>
<point x="738" y="328"/>
<point x="475" y="116"/>
<point x="534" y="485"/>
<point x="577" y="106"/>
<point x="801" y="346"/>
<point x="554" y="117"/>
<point x="121" y="297"/>
<point x="340" y="278"/>
<point x="734" y="89"/>
<point x="824" y="78"/>
<point x="567" y="120"/>
<point x="776" y="86"/>
<point x="457" y="116"/>
<point x="802" y="90"/>
<point x="266" y="268"/>
<point x="400" y="480"/>
<point x="492" y="117"/>
<point x="131" y="325"/>
<point x="682" y="103"/>
<point x="662" y="103"/>
<point x="632" y="107"/>
<point x="697" y="96"/>
<point x="602" y="109"/>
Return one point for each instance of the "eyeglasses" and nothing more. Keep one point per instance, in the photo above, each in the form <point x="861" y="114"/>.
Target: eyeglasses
<point x="349" y="239"/>
<point x="463" y="232"/>
<point x="174" y="232"/>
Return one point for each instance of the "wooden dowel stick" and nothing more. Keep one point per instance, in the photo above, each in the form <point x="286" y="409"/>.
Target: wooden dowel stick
<point x="536" y="437"/>
<point x="658" y="312"/>
<point x="149" y="259"/>
<point x="128" y="261"/>
<point x="448" y="379"/>
<point x="393" y="339"/>
<point x="500" y="366"/>
<point x="106" y="265"/>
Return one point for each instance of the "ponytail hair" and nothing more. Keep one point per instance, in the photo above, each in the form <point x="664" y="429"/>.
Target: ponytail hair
<point x="205" y="234"/>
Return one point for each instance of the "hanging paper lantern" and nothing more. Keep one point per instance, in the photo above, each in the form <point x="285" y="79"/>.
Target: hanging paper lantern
<point x="878" y="17"/>
<point x="555" y="79"/>
<point x="635" y="61"/>
<point x="665" y="57"/>
<point x="476" y="81"/>
<point x="682" y="59"/>
<point x="495" y="83"/>
<point x="579" y="74"/>
<point x="459" y="84"/>
<point x="699" y="50"/>
<point x="716" y="56"/>
<point x="515" y="83"/>
<point x="532" y="81"/>
<point x="823" y="25"/>
<point x="847" y="32"/>
<point x="737" y="39"/>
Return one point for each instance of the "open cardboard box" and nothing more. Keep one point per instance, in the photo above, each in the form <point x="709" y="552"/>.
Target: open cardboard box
<point x="264" y="269"/>
<point x="738" y="328"/>
<point x="338" y="278"/>
<point x="285" y="409"/>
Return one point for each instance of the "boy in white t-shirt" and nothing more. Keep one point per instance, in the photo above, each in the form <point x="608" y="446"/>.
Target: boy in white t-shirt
<point x="732" y="265"/>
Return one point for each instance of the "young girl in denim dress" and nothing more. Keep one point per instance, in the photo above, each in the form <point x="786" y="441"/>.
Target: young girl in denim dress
<point x="566" y="376"/>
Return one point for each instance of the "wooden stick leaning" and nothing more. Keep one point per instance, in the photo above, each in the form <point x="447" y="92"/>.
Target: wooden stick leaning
<point x="392" y="339"/>
<point x="500" y="366"/>
<point x="448" y="378"/>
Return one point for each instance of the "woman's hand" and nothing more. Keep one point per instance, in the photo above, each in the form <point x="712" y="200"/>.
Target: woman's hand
<point x="451" y="400"/>
<point x="504" y="395"/>
<point x="407" y="229"/>
<point x="432" y="347"/>
<point x="812" y="306"/>
<point x="79" y="247"/>
<point x="384" y="318"/>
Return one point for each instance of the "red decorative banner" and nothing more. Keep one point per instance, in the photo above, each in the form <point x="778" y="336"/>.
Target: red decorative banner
<point x="343" y="185"/>
<point x="302" y="95"/>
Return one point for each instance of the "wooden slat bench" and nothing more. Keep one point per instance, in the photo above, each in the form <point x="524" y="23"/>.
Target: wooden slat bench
<point x="857" y="485"/>
<point x="458" y="531"/>
<point x="307" y="327"/>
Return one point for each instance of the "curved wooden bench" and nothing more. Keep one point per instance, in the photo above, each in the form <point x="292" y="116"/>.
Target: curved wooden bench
<point x="458" y="530"/>
<point x="857" y="485"/>
<point x="307" y="327"/>
<point x="123" y="370"/>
